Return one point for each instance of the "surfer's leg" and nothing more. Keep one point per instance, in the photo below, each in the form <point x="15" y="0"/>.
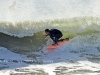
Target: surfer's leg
<point x="59" y="37"/>
<point x="56" y="40"/>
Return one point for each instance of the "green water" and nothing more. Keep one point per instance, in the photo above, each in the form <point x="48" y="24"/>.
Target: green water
<point x="27" y="36"/>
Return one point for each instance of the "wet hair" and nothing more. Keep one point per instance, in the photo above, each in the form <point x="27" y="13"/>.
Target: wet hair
<point x="47" y="30"/>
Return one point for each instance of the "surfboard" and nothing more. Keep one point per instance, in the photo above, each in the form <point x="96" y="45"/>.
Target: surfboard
<point x="60" y="43"/>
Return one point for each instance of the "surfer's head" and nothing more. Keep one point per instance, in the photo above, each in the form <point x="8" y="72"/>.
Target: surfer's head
<point x="47" y="31"/>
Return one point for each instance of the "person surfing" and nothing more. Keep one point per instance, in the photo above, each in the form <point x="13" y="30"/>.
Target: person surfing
<point x="54" y="34"/>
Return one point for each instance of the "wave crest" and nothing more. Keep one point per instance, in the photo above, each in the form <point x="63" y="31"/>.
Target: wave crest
<point x="28" y="28"/>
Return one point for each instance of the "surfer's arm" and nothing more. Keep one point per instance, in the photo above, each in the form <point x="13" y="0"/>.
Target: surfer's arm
<point x="45" y="35"/>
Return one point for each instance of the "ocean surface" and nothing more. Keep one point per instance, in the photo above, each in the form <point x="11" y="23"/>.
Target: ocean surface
<point x="23" y="47"/>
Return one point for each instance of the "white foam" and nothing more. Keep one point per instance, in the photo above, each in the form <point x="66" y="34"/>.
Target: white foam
<point x="72" y="55"/>
<point x="7" y="58"/>
<point x="16" y="10"/>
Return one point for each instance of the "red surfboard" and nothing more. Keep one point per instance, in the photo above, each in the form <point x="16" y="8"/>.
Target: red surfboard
<point x="60" y="43"/>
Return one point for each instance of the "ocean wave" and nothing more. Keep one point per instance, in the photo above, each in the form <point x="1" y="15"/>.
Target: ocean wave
<point x="16" y="10"/>
<point x="28" y="28"/>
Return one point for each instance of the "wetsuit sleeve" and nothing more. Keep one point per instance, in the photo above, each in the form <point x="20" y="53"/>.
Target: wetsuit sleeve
<point x="46" y="35"/>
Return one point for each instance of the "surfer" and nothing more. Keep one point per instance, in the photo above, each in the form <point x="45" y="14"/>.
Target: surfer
<point x="54" y="34"/>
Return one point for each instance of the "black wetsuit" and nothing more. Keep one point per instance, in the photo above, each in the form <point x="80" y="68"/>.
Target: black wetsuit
<point x="55" y="35"/>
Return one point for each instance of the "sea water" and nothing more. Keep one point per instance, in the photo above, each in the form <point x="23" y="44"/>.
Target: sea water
<point x="23" y="46"/>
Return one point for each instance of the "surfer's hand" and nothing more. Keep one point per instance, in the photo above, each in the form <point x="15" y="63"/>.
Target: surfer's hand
<point x="44" y="35"/>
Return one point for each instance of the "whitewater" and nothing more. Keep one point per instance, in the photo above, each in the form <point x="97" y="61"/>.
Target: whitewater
<point x="23" y="47"/>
